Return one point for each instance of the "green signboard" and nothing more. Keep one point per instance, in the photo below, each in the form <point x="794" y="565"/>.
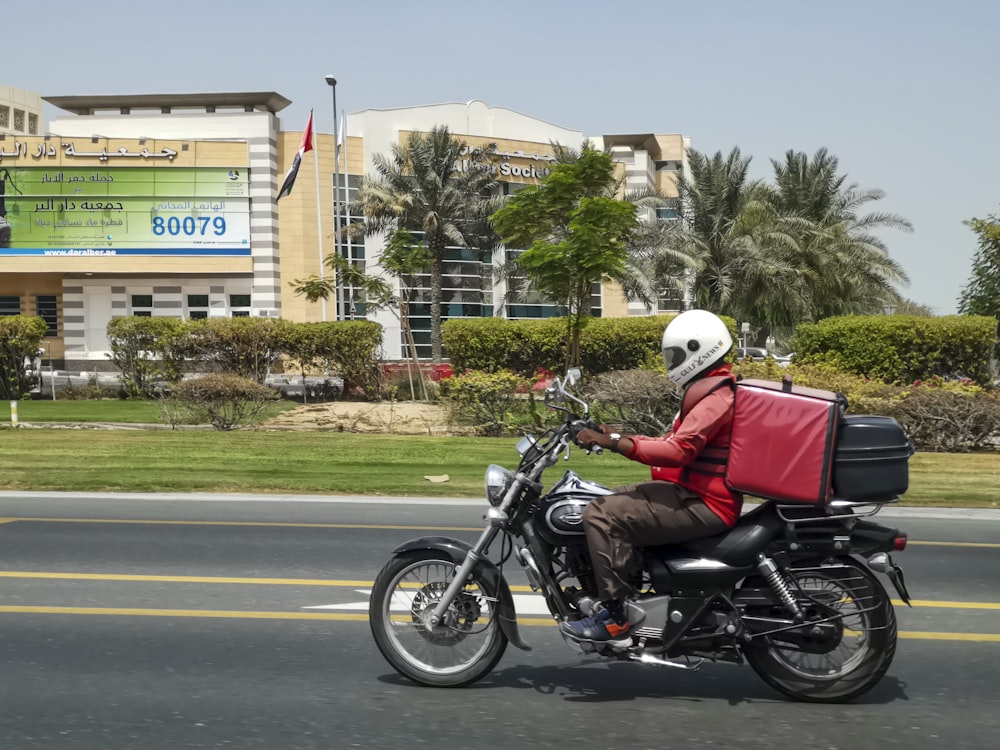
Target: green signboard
<point x="124" y="211"/>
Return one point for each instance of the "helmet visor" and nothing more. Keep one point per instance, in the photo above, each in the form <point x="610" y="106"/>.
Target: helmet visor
<point x="674" y="356"/>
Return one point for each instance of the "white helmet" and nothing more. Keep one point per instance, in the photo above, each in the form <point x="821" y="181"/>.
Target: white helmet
<point x="695" y="342"/>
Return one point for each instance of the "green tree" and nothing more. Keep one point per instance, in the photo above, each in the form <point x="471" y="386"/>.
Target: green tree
<point x="981" y="294"/>
<point x="574" y="232"/>
<point x="248" y="347"/>
<point x="732" y="234"/>
<point x="840" y="265"/>
<point x="20" y="337"/>
<point x="147" y="351"/>
<point x="433" y="184"/>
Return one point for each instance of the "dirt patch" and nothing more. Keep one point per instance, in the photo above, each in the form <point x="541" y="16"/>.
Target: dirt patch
<point x="383" y="417"/>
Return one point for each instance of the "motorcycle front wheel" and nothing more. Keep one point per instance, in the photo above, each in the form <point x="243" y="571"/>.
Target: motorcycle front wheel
<point x="461" y="649"/>
<point x="839" y="660"/>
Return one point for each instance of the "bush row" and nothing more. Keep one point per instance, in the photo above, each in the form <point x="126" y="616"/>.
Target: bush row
<point x="900" y="348"/>
<point x="938" y="415"/>
<point x="151" y="351"/>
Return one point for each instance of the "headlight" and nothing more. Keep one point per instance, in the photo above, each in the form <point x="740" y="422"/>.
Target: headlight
<point x="498" y="481"/>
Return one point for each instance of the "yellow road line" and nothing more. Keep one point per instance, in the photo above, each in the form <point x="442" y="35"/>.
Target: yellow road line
<point x="342" y="583"/>
<point x="276" y="524"/>
<point x="184" y="579"/>
<point x="374" y="527"/>
<point x="360" y="617"/>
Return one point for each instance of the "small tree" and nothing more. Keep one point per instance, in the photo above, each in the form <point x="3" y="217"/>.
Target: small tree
<point x="574" y="232"/>
<point x="248" y="347"/>
<point x="981" y="295"/>
<point x="146" y="351"/>
<point x="402" y="259"/>
<point x="20" y="338"/>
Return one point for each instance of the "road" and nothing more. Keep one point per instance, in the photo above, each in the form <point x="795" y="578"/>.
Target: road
<point x="195" y="622"/>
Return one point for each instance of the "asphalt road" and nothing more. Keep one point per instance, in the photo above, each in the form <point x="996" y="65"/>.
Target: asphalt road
<point x="193" y="622"/>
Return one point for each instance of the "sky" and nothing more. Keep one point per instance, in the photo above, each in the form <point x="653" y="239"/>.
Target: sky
<point x="902" y="92"/>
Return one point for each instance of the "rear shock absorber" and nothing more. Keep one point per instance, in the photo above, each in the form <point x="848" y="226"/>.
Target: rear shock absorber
<point x="769" y="570"/>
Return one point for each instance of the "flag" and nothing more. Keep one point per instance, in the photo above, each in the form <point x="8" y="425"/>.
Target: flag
<point x="293" y="171"/>
<point x="341" y="136"/>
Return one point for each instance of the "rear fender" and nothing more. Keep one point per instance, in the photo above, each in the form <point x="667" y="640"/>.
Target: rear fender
<point x="868" y="538"/>
<point x="485" y="569"/>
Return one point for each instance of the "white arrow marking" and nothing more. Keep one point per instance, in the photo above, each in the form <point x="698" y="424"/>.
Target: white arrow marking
<point x="524" y="604"/>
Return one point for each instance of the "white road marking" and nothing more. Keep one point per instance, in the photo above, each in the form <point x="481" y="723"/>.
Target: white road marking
<point x="524" y="604"/>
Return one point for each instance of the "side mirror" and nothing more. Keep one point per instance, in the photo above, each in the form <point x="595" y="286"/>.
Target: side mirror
<point x="573" y="375"/>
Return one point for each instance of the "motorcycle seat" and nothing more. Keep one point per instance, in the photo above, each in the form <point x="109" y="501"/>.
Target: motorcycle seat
<point x="738" y="546"/>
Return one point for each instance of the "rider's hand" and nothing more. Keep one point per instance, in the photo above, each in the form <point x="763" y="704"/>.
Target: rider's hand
<point x="587" y="438"/>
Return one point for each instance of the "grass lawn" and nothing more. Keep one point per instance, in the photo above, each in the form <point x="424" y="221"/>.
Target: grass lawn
<point x="94" y="410"/>
<point x="317" y="462"/>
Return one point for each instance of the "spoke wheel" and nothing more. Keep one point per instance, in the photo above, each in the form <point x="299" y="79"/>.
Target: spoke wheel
<point x="461" y="649"/>
<point x="836" y="661"/>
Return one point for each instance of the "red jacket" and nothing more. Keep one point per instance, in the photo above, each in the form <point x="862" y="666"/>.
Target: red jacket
<point x="706" y="425"/>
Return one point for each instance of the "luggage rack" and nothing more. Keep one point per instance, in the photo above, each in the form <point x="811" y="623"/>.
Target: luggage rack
<point x="834" y="509"/>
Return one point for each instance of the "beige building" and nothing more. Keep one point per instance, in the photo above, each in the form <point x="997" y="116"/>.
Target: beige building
<point x="165" y="205"/>
<point x="20" y="112"/>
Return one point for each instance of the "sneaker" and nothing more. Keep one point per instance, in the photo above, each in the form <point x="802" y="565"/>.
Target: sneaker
<point x="600" y="626"/>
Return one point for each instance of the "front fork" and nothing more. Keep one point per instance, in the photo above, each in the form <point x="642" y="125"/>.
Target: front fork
<point x="528" y="555"/>
<point x="472" y="558"/>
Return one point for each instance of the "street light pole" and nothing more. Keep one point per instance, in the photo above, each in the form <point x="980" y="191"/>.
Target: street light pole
<point x="332" y="83"/>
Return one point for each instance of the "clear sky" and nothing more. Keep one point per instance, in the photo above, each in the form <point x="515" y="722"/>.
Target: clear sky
<point x="903" y="92"/>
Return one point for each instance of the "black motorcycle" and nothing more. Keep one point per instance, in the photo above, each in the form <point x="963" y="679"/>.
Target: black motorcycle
<point x="790" y="589"/>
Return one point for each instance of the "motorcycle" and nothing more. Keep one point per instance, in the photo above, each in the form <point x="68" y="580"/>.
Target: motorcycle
<point x="790" y="590"/>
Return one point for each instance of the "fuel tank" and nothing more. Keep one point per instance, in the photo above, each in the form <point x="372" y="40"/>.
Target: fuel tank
<point x="559" y="517"/>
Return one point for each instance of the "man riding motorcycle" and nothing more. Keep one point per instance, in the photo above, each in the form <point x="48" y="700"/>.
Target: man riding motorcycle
<point x="687" y="497"/>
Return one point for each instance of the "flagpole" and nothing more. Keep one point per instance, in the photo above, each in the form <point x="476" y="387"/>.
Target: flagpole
<point x="347" y="203"/>
<point x="319" y="232"/>
<point x="336" y="205"/>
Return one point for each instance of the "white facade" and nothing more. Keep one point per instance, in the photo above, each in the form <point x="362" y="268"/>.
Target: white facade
<point x="20" y="112"/>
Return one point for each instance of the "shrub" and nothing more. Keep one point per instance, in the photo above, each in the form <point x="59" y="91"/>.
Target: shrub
<point x="638" y="401"/>
<point x="147" y="352"/>
<point x="941" y="419"/>
<point x="248" y="347"/>
<point x="527" y="346"/>
<point x="899" y="348"/>
<point x="222" y="400"/>
<point x="347" y="348"/>
<point x="486" y="399"/>
<point x="20" y="337"/>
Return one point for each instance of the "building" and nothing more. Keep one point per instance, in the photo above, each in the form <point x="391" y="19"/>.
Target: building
<point x="165" y="205"/>
<point x="20" y="111"/>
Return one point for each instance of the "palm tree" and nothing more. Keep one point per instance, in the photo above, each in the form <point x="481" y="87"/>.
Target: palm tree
<point x="429" y="185"/>
<point x="844" y="267"/>
<point x="733" y="236"/>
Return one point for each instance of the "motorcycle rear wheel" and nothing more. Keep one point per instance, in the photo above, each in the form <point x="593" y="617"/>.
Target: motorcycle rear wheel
<point x="851" y="663"/>
<point x="462" y="649"/>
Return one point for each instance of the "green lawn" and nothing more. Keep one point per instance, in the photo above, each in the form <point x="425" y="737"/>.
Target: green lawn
<point x="93" y="410"/>
<point x="319" y="462"/>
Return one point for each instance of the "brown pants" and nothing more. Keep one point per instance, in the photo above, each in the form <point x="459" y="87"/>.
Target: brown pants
<point x="641" y="515"/>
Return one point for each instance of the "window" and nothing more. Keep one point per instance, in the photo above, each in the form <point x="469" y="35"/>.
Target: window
<point x="4" y="116"/>
<point x="10" y="305"/>
<point x="47" y="308"/>
<point x="666" y="214"/>
<point x="197" y="306"/>
<point x="142" y="305"/>
<point x="239" y="305"/>
<point x="19" y="120"/>
<point x="32" y="124"/>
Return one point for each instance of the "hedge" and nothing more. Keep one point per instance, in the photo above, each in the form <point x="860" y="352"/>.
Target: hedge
<point x="901" y="348"/>
<point x="530" y="346"/>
